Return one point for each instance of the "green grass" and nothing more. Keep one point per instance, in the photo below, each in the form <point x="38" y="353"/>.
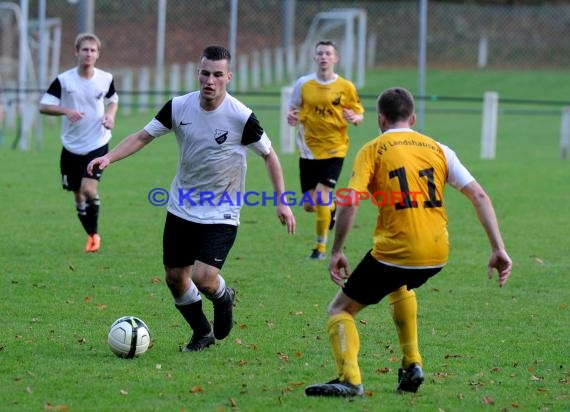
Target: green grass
<point x="484" y="348"/>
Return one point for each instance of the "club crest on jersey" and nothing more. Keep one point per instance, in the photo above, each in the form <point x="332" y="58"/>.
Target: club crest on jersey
<point x="336" y="100"/>
<point x="220" y="136"/>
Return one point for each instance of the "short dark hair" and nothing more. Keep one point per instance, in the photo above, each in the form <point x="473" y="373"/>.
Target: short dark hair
<point x="216" y="53"/>
<point x="396" y="104"/>
<point x="326" y="43"/>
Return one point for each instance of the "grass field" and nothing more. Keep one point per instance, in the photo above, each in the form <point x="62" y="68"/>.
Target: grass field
<point x="484" y="348"/>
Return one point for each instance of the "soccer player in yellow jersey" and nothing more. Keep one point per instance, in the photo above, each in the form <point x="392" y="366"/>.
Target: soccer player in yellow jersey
<point x="322" y="105"/>
<point x="404" y="173"/>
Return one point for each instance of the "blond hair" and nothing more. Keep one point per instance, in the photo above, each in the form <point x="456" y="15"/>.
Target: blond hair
<point x="81" y="37"/>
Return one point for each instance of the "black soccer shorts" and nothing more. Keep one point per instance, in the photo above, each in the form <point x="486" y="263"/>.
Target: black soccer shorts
<point x="371" y="280"/>
<point x="184" y="242"/>
<point x="74" y="167"/>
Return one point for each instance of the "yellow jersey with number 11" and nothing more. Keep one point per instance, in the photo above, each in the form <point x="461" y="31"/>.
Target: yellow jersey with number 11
<point x="404" y="173"/>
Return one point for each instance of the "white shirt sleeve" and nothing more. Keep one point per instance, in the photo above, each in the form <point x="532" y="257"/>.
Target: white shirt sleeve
<point x="458" y="175"/>
<point x="156" y="129"/>
<point x="262" y="146"/>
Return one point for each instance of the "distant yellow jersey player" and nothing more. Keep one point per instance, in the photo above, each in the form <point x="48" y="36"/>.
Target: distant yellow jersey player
<point x="405" y="172"/>
<point x="323" y="129"/>
<point x="322" y="105"/>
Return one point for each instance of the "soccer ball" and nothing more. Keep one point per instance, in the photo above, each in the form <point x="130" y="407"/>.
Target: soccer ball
<point x="129" y="337"/>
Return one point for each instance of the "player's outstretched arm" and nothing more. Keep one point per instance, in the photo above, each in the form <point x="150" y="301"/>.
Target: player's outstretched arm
<point x="284" y="213"/>
<point x="129" y="145"/>
<point x="346" y="213"/>
<point x="499" y="260"/>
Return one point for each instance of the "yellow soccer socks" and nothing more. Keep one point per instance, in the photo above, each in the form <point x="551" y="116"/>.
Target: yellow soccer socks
<point x="345" y="344"/>
<point x="404" y="308"/>
<point x="322" y="227"/>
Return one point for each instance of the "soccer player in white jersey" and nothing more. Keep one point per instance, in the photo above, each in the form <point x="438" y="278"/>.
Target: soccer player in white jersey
<point x="214" y="131"/>
<point x="86" y="98"/>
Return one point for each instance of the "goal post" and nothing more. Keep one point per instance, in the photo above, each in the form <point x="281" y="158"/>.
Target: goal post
<point x="347" y="27"/>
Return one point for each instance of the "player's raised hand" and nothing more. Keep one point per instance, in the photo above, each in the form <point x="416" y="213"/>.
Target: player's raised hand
<point x="351" y="116"/>
<point x="293" y="117"/>
<point x="287" y="218"/>
<point x="98" y="163"/>
<point x="500" y="261"/>
<point x="74" y="115"/>
<point x="108" y="121"/>
<point x="338" y="268"/>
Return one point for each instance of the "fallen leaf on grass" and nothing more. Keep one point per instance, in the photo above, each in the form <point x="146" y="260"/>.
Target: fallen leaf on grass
<point x="283" y="356"/>
<point x="49" y="407"/>
<point x="124" y="392"/>
<point x="383" y="370"/>
<point x="196" y="389"/>
<point x="487" y="400"/>
<point x="232" y="402"/>
<point x="536" y="378"/>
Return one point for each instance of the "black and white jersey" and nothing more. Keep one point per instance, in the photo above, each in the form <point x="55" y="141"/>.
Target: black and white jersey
<point x="89" y="96"/>
<point x="210" y="180"/>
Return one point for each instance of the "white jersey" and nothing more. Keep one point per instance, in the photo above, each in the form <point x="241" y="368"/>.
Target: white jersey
<point x="210" y="180"/>
<point x="89" y="96"/>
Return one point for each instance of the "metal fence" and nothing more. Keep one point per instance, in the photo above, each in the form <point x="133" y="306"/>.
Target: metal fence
<point x="458" y="34"/>
<point x="269" y="38"/>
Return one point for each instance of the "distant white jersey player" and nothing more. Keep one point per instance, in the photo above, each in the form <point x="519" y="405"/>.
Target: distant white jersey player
<point x="86" y="98"/>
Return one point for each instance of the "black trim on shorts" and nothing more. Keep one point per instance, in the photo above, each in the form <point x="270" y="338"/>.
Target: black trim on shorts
<point x="371" y="280"/>
<point x="315" y="171"/>
<point x="184" y="242"/>
<point x="73" y="167"/>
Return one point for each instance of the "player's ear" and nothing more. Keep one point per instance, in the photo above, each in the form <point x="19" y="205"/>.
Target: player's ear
<point x="230" y="75"/>
<point x="382" y="122"/>
<point x="413" y="119"/>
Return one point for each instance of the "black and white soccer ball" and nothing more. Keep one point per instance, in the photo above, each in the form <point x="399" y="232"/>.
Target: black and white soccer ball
<point x="129" y="337"/>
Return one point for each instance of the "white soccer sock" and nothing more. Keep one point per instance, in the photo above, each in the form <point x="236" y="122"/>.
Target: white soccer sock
<point x="221" y="289"/>
<point x="190" y="296"/>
